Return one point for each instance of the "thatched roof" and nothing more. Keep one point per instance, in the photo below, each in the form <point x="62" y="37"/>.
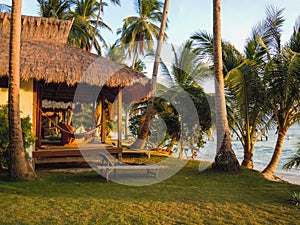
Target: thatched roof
<point x="46" y="56"/>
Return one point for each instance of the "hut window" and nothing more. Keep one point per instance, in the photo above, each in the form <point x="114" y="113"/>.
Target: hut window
<point x="4" y="82"/>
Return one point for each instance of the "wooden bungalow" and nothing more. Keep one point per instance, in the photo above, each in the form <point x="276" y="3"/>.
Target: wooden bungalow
<point x="54" y="71"/>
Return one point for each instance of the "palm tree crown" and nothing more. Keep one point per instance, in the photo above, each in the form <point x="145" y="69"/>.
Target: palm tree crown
<point x="84" y="32"/>
<point x="138" y="32"/>
<point x="83" y="29"/>
<point x="54" y="8"/>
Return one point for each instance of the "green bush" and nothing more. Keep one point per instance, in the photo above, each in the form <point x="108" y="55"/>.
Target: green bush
<point x="28" y="137"/>
<point x="295" y="199"/>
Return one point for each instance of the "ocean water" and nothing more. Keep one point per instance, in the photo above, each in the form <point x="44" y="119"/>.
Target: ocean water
<point x="263" y="152"/>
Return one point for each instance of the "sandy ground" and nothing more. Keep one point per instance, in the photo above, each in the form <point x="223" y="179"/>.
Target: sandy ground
<point x="291" y="178"/>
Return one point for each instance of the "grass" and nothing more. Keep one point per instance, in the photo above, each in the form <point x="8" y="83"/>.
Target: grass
<point x="189" y="197"/>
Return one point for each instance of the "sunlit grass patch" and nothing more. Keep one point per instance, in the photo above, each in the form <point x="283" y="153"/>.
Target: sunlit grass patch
<point x="189" y="197"/>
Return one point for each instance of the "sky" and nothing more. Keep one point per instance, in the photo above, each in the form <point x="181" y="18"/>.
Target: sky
<point x="189" y="16"/>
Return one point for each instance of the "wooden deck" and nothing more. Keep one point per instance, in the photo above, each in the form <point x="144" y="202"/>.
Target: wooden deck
<point x="66" y="154"/>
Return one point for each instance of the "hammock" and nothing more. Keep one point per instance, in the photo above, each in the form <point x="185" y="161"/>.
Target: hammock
<point x="67" y="128"/>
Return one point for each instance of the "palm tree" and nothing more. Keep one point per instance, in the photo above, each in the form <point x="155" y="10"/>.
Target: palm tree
<point x="84" y="33"/>
<point x="225" y="158"/>
<point x="101" y="4"/>
<point x="139" y="32"/>
<point x="282" y="77"/>
<point x="116" y="53"/>
<point x="54" y="8"/>
<point x="83" y="28"/>
<point x="141" y="140"/>
<point x="19" y="167"/>
<point x="246" y="107"/>
<point x="185" y="72"/>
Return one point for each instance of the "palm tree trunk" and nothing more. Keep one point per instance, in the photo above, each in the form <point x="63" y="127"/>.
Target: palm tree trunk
<point x="135" y="55"/>
<point x="225" y="158"/>
<point x="96" y="26"/>
<point x="268" y="172"/>
<point x="248" y="157"/>
<point x="142" y="136"/>
<point x="19" y="167"/>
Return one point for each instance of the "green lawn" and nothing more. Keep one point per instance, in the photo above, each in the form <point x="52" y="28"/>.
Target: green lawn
<point x="189" y="197"/>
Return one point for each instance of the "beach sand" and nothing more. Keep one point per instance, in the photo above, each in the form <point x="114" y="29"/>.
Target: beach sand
<point x="289" y="177"/>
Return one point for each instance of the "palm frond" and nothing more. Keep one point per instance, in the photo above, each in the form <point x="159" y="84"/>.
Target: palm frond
<point x="294" y="161"/>
<point x="295" y="38"/>
<point x="5" y="8"/>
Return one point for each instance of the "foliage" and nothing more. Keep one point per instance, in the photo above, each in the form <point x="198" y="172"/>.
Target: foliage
<point x="185" y="75"/>
<point x="138" y="32"/>
<point x="294" y="162"/>
<point x="83" y="28"/>
<point x="295" y="199"/>
<point x="83" y="116"/>
<point x="5" y="8"/>
<point x="203" y="198"/>
<point x="135" y="121"/>
<point x="28" y="137"/>
<point x="84" y="16"/>
<point x="54" y="8"/>
<point x="164" y="124"/>
<point x="282" y="79"/>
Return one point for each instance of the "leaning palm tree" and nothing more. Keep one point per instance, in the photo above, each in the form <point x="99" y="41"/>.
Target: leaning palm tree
<point x="282" y="77"/>
<point x="141" y="140"/>
<point x="225" y="158"/>
<point x="19" y="167"/>
<point x="139" y="32"/>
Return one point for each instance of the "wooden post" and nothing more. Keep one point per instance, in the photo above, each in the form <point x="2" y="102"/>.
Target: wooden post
<point x="103" y="121"/>
<point x="38" y="118"/>
<point x="120" y="122"/>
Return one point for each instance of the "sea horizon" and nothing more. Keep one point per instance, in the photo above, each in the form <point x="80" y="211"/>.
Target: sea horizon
<point x="263" y="152"/>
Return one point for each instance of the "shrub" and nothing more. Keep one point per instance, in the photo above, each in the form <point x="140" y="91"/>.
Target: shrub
<point x="295" y="199"/>
<point x="28" y="137"/>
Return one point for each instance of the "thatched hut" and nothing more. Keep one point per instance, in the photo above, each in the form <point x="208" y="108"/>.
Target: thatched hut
<point x="52" y="70"/>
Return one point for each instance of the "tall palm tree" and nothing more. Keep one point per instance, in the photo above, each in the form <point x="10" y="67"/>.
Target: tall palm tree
<point x="282" y="76"/>
<point x="246" y="107"/>
<point x="19" y="167"/>
<point x="141" y="140"/>
<point x="139" y="32"/>
<point x="225" y="158"/>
